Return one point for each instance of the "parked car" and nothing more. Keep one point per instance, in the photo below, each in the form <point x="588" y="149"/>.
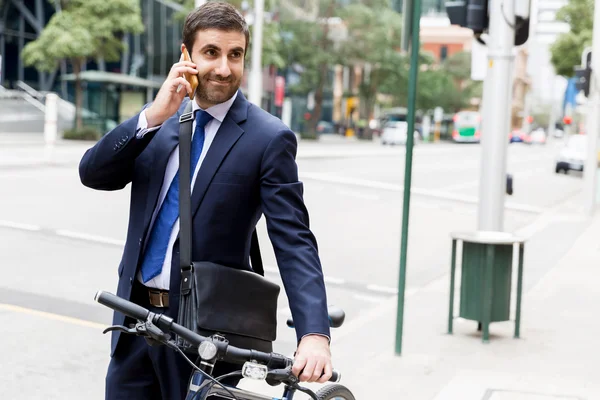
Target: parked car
<point x="325" y="127"/>
<point x="516" y="136"/>
<point x="394" y="132"/>
<point x="537" y="136"/>
<point x="572" y="156"/>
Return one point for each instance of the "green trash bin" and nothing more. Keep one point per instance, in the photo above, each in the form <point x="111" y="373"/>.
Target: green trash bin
<point x="486" y="278"/>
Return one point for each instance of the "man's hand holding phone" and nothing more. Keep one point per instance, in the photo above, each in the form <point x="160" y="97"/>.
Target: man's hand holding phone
<point x="172" y="92"/>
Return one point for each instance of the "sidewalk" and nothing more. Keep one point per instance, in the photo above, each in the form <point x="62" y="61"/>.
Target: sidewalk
<point x="29" y="150"/>
<point x="557" y="357"/>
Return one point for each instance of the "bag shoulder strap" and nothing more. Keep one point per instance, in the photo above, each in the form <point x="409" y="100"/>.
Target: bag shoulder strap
<point x="185" y="198"/>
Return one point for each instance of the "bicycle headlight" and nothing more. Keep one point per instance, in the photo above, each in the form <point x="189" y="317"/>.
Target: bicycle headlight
<point x="255" y="371"/>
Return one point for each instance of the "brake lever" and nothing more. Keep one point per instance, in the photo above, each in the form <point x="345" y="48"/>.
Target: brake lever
<point x="153" y="334"/>
<point x="119" y="328"/>
<point x="278" y="376"/>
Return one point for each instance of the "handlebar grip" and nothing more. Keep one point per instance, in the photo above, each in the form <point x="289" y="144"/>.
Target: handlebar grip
<point x="124" y="306"/>
<point x="336" y="376"/>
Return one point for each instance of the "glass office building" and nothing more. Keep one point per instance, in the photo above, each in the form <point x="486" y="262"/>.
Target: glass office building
<point x="113" y="91"/>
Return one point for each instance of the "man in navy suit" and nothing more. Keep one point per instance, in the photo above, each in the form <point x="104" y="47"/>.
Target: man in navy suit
<point x="244" y="167"/>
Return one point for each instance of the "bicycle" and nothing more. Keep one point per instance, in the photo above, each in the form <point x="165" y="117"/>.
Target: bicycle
<point x="273" y="368"/>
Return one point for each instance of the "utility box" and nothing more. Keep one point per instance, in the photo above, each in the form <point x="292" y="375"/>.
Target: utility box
<point x="486" y="278"/>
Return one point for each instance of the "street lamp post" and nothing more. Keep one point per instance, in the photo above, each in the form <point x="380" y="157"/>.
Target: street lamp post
<point x="593" y="123"/>
<point x="496" y="111"/>
<point x="255" y="78"/>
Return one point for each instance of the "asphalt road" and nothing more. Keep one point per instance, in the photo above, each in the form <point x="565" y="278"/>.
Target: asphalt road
<point x="61" y="242"/>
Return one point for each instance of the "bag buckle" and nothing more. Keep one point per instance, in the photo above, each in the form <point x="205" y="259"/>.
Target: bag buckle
<point x="186" y="280"/>
<point x="185" y="117"/>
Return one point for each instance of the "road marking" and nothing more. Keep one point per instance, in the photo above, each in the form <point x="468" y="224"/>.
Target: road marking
<point x="89" y="238"/>
<point x="117" y="242"/>
<point x="382" y="289"/>
<point x="438" y="194"/>
<point x="51" y="316"/>
<point x="17" y="225"/>
<point x="334" y="281"/>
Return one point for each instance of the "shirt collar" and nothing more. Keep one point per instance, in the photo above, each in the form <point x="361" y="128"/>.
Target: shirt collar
<point x="218" y="111"/>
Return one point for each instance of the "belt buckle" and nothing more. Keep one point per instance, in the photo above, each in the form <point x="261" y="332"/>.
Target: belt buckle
<point x="155" y="293"/>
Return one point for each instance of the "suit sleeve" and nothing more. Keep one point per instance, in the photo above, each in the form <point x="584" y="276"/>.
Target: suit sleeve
<point x="294" y="244"/>
<point x="109" y="164"/>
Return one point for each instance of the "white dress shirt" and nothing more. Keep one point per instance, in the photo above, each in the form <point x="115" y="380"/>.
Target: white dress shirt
<point x="218" y="112"/>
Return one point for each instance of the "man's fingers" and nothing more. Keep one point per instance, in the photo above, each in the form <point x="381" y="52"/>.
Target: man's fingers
<point x="184" y="69"/>
<point x="308" y="372"/>
<point x="181" y="67"/>
<point x="326" y="374"/>
<point x="318" y="371"/>
<point x="299" y="363"/>
<point x="180" y="83"/>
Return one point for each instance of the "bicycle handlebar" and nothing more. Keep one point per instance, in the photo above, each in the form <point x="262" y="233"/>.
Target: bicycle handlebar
<point x="230" y="353"/>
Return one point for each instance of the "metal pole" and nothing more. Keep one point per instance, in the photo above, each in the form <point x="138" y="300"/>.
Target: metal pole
<point x="198" y="3"/>
<point x="592" y="125"/>
<point x="412" y="96"/>
<point x="255" y="79"/>
<point x="50" y="124"/>
<point x="496" y="99"/>
<point x="407" y="8"/>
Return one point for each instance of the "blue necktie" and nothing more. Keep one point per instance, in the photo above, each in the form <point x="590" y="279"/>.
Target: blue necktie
<point x="156" y="249"/>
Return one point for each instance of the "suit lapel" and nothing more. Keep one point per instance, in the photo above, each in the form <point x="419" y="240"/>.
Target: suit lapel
<point x="228" y="134"/>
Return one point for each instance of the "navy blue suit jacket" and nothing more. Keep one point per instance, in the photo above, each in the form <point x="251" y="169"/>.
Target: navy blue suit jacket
<point x="249" y="170"/>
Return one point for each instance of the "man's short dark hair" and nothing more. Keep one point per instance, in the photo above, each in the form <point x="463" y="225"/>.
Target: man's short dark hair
<point x="214" y="15"/>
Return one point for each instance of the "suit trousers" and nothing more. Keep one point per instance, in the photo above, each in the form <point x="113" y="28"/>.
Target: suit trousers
<point x="138" y="371"/>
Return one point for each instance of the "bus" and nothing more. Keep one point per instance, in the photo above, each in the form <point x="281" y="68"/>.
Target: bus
<point x="467" y="127"/>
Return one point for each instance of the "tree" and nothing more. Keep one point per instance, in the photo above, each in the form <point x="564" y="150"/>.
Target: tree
<point x="458" y="65"/>
<point x="271" y="54"/>
<point x="83" y="30"/>
<point x="566" y="51"/>
<point x="308" y="47"/>
<point x="374" y="33"/>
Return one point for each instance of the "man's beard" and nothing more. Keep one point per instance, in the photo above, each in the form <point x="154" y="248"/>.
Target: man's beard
<point x="214" y="94"/>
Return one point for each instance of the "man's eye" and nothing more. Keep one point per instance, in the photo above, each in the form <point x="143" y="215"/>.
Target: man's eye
<point x="211" y="53"/>
<point x="236" y="55"/>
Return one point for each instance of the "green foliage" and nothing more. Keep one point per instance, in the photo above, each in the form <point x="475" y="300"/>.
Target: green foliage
<point x="374" y="34"/>
<point x="83" y="30"/>
<point x="271" y="54"/>
<point x="458" y="65"/>
<point x="305" y="48"/>
<point x="566" y="51"/>
<point x="85" y="133"/>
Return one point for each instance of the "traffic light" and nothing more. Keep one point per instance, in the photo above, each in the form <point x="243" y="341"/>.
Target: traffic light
<point x="583" y="73"/>
<point x="475" y="15"/>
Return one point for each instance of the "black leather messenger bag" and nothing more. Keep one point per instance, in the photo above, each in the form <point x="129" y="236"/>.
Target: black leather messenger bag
<point x="240" y="305"/>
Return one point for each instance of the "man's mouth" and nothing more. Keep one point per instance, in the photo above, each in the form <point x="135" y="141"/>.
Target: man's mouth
<point x="219" y="83"/>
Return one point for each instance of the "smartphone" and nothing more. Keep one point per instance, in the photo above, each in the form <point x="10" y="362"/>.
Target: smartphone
<point x="192" y="79"/>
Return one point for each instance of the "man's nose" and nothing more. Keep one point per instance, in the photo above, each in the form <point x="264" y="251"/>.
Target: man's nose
<point x="223" y="68"/>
